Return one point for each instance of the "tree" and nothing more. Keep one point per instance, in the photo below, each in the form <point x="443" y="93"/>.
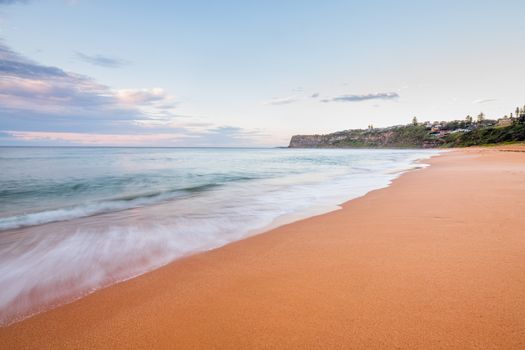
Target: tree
<point x="468" y="119"/>
<point x="519" y="117"/>
<point x="481" y="117"/>
<point x="414" y="121"/>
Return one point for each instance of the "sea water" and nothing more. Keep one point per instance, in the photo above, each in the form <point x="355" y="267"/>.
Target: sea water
<point x="73" y="220"/>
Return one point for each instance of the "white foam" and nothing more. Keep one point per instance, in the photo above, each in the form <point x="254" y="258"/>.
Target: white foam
<point x="42" y="266"/>
<point x="89" y="209"/>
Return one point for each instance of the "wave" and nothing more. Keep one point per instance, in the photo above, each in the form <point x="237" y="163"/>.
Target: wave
<point x="98" y="207"/>
<point x="205" y="207"/>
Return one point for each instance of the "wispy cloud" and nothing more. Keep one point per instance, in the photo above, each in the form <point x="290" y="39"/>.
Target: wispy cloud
<point x="214" y="136"/>
<point x="484" y="100"/>
<point x="299" y="95"/>
<point x="364" y="97"/>
<point x="10" y="2"/>
<point x="283" y="100"/>
<point x="93" y="139"/>
<point x="100" y="60"/>
<point x="340" y="98"/>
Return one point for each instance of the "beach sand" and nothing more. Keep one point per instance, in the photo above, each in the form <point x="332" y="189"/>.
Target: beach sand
<point x="435" y="261"/>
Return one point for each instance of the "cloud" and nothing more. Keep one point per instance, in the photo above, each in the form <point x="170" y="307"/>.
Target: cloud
<point x="365" y="97"/>
<point x="29" y="86"/>
<point x="141" y="96"/>
<point x="13" y="64"/>
<point x="45" y="105"/>
<point x="42" y="104"/>
<point x="38" y="90"/>
<point x="340" y="98"/>
<point x="485" y="100"/>
<point x="93" y="139"/>
<point x="10" y="2"/>
<point x="283" y="101"/>
<point x="100" y="60"/>
<point x="215" y="136"/>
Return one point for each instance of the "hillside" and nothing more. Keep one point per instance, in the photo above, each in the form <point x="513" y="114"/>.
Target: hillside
<point x="457" y="133"/>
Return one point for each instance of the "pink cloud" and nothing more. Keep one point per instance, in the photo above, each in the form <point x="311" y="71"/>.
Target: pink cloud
<point x="95" y="139"/>
<point x="141" y="96"/>
<point x="31" y="87"/>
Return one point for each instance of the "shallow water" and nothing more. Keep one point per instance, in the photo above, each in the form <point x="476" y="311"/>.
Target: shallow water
<point x="73" y="220"/>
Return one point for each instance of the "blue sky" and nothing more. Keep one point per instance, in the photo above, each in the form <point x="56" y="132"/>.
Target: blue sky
<point x="249" y="73"/>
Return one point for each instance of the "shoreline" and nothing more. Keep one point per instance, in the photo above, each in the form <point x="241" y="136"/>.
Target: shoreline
<point x="337" y="279"/>
<point x="55" y="287"/>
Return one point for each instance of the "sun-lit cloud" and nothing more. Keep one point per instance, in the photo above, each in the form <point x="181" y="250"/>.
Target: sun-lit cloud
<point x="101" y="60"/>
<point x="363" y="97"/>
<point x="28" y="86"/>
<point x="31" y="87"/>
<point x="141" y="96"/>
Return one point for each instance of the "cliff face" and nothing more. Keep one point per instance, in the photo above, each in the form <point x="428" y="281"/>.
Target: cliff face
<point x="394" y="137"/>
<point x="306" y="141"/>
<point x="350" y="138"/>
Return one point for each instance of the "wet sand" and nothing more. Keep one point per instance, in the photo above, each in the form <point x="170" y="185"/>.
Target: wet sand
<point x="435" y="261"/>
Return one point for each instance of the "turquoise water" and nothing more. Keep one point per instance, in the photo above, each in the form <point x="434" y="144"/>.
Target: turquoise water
<point x="89" y="217"/>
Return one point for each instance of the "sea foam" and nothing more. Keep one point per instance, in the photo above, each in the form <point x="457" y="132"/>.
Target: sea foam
<point x="57" y="255"/>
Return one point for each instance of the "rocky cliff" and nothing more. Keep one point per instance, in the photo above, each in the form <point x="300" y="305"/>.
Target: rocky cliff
<point x="393" y="137"/>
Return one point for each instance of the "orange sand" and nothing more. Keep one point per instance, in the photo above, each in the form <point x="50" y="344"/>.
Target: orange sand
<point x="436" y="261"/>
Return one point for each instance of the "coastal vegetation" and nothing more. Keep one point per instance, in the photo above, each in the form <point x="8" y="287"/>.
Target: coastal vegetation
<point x="456" y="133"/>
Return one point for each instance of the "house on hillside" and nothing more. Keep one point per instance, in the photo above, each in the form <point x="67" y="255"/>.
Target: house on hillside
<point x="459" y="130"/>
<point x="504" y="122"/>
<point x="435" y="128"/>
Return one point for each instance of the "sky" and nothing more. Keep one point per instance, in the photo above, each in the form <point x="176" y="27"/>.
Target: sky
<point x="249" y="73"/>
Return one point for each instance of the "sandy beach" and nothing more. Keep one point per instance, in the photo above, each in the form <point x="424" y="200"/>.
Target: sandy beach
<point x="435" y="261"/>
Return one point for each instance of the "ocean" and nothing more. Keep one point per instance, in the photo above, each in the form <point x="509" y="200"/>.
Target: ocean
<point x="74" y="220"/>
